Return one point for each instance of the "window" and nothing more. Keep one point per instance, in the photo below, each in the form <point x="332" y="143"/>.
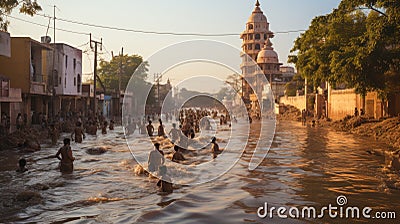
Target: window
<point x="250" y="26"/>
<point x="59" y="80"/>
<point x="78" y="88"/>
<point x="257" y="36"/>
<point x="74" y="81"/>
<point x="74" y="63"/>
<point x="66" y="61"/>
<point x="257" y="47"/>
<point x="55" y="80"/>
<point x="250" y="47"/>
<point x="265" y="36"/>
<point x="65" y="82"/>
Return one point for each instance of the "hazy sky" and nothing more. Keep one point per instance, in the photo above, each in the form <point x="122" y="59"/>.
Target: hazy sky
<point x="189" y="16"/>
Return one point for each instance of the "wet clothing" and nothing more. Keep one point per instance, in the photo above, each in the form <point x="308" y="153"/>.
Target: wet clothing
<point x="66" y="164"/>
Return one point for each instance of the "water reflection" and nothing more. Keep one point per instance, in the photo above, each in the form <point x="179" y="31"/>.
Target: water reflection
<point x="306" y="166"/>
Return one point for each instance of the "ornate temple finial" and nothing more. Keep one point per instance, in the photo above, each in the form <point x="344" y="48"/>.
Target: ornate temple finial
<point x="257" y="3"/>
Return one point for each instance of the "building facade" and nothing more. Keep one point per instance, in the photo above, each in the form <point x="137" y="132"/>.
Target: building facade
<point x="26" y="70"/>
<point x="66" y="67"/>
<point x="259" y="59"/>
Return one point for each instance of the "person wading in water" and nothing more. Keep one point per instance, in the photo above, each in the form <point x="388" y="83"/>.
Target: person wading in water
<point x="67" y="160"/>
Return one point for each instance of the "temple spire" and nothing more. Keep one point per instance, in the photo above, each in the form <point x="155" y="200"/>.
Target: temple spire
<point x="257" y="3"/>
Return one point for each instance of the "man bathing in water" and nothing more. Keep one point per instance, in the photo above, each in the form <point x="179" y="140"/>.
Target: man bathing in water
<point x="150" y="129"/>
<point x="21" y="166"/>
<point x="156" y="158"/>
<point x="177" y="155"/>
<point x="67" y="160"/>
<point x="161" y="132"/>
<point x="174" y="133"/>
<point x="214" y="148"/>
<point x="78" y="132"/>
<point x="165" y="183"/>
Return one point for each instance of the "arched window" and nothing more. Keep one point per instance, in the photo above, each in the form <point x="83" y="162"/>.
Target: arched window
<point x="265" y="36"/>
<point x="257" y="36"/>
<point x="257" y="47"/>
<point x="250" y="26"/>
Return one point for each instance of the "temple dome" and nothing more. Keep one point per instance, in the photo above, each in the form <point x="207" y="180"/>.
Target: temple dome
<point x="267" y="54"/>
<point x="257" y="15"/>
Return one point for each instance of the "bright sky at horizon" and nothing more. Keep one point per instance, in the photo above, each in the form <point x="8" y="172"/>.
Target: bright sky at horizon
<point x="190" y="16"/>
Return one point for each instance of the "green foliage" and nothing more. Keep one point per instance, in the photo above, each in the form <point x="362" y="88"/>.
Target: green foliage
<point x="124" y="67"/>
<point x="297" y="83"/>
<point x="357" y="44"/>
<point x="29" y="7"/>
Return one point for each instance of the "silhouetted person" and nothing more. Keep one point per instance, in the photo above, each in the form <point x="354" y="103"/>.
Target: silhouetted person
<point x="67" y="160"/>
<point x="177" y="155"/>
<point x="165" y="183"/>
<point x="150" y="129"/>
<point x="111" y="127"/>
<point x="21" y="166"/>
<point x="161" y="132"/>
<point x="214" y="147"/>
<point x="78" y="133"/>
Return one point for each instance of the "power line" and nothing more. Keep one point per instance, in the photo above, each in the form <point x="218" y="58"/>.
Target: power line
<point x="38" y="24"/>
<point x="157" y="32"/>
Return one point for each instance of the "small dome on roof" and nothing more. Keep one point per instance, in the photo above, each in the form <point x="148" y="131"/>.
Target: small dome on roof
<point x="267" y="54"/>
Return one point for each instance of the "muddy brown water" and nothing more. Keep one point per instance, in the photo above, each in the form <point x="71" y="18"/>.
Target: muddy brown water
<point x="306" y="166"/>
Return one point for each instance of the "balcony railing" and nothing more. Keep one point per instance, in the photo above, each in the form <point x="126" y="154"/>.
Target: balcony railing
<point x="38" y="78"/>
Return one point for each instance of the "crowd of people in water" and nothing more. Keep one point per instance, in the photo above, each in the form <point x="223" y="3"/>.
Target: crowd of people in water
<point x="185" y="125"/>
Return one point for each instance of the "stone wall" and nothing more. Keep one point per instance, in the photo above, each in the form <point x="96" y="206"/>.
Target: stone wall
<point x="342" y="103"/>
<point x="297" y="101"/>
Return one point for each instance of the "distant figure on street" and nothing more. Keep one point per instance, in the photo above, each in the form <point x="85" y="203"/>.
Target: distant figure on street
<point x="177" y="155"/>
<point x="156" y="158"/>
<point x="214" y="148"/>
<point x="355" y="112"/>
<point x="54" y="134"/>
<point x="303" y="117"/>
<point x="78" y="132"/>
<point x="21" y="166"/>
<point x="150" y="129"/>
<point x="165" y="183"/>
<point x="67" y="160"/>
<point x="104" y="127"/>
<point x="161" y="132"/>
<point x="19" y="121"/>
<point x="174" y="133"/>
<point x="111" y="127"/>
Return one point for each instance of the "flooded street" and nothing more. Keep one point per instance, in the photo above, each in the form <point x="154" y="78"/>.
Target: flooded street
<point x="305" y="167"/>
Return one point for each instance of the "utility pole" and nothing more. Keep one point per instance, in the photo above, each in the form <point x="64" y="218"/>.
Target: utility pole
<point x="157" y="77"/>
<point x="95" y="69"/>
<point x="53" y="71"/>
<point x="121" y="57"/>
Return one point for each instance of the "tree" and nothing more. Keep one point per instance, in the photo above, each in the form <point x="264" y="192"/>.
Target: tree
<point x="357" y="44"/>
<point x="297" y="83"/>
<point x="29" y="7"/>
<point x="124" y="66"/>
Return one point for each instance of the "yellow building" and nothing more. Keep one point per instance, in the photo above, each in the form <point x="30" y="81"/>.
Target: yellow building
<point x="26" y="69"/>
